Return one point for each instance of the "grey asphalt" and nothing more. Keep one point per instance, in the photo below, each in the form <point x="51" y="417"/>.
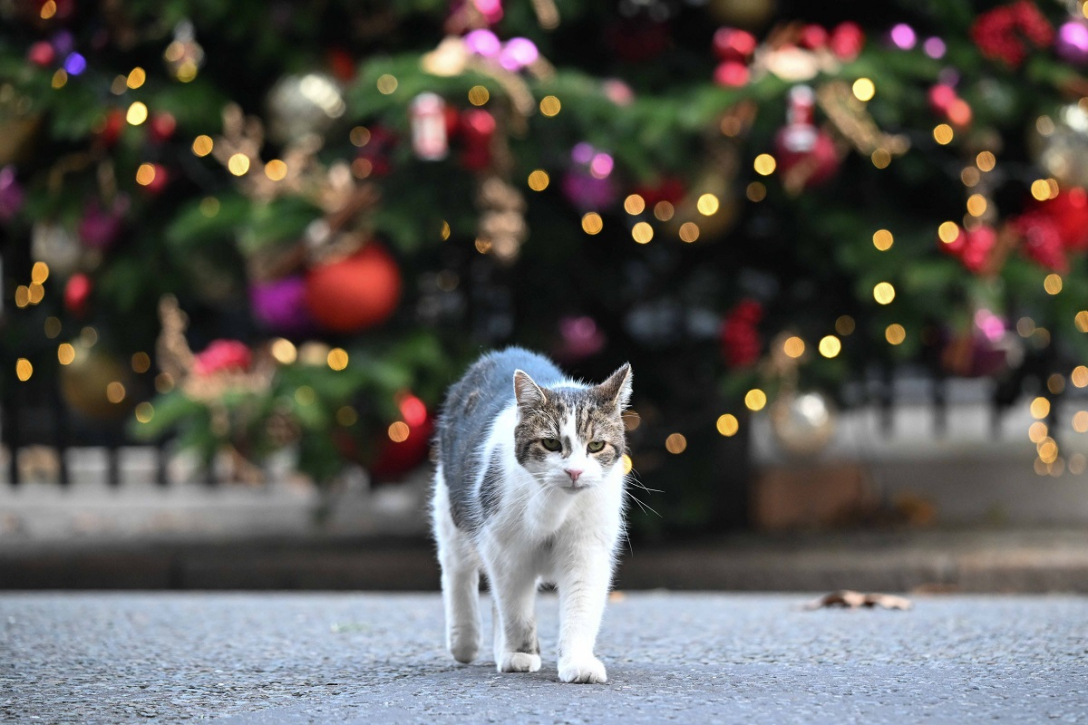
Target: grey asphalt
<point x="687" y="658"/>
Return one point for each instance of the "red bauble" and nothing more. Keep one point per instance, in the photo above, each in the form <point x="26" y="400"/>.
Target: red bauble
<point x="477" y="130"/>
<point x="810" y="162"/>
<point x="846" y="41"/>
<point x="813" y="37"/>
<point x="941" y="97"/>
<point x="162" y="127"/>
<point x="731" y="74"/>
<point x="733" y="44"/>
<point x="1069" y="212"/>
<point x="355" y="293"/>
<point x="741" y="342"/>
<point x="395" y="458"/>
<point x="41" y="54"/>
<point x="112" y="127"/>
<point x="77" y="294"/>
<point x="972" y="248"/>
<point x="222" y="356"/>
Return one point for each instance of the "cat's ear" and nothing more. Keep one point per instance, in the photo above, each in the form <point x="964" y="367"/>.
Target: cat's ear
<point x="618" y="386"/>
<point x="528" y="393"/>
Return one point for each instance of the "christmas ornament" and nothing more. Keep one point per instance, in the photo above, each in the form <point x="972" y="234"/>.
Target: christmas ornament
<point x="806" y="155"/>
<point x="11" y="194"/>
<point x="1072" y="42"/>
<point x="1061" y="148"/>
<point x="280" y="305"/>
<point x="988" y="348"/>
<point x="428" y="120"/>
<point x="477" y="128"/>
<point x="53" y="244"/>
<point x="96" y="385"/>
<point x="99" y="228"/>
<point x="587" y="185"/>
<point x="502" y="217"/>
<point x="846" y="41"/>
<point x="41" y="54"/>
<point x="1000" y="33"/>
<point x="222" y="356"/>
<point x="77" y="294"/>
<point x="734" y="44"/>
<point x="354" y="293"/>
<point x="402" y="450"/>
<point x="109" y="131"/>
<point x="802" y="423"/>
<point x="741" y="342"/>
<point x="300" y="105"/>
<point x="972" y="247"/>
<point x="731" y="74"/>
<point x="1069" y="212"/>
<point x="184" y="56"/>
<point x="378" y="151"/>
<point x="1042" y="241"/>
<point x="152" y="178"/>
<point x="579" y="338"/>
<point x="518" y="54"/>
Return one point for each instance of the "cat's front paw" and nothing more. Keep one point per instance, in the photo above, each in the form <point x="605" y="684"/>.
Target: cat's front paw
<point x="587" y="669"/>
<point x="519" y="662"/>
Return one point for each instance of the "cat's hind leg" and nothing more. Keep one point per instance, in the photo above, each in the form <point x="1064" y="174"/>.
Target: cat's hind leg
<point x="460" y="578"/>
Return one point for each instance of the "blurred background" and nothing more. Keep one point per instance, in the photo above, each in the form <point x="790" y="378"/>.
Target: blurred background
<point x="246" y="246"/>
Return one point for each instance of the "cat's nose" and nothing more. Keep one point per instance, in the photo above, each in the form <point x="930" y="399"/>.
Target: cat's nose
<point x="574" y="473"/>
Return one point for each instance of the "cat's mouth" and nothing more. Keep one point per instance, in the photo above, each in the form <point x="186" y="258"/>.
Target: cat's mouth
<point x="575" y="487"/>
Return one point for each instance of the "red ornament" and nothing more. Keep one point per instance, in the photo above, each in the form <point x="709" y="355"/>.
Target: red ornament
<point x="741" y="342"/>
<point x="111" y="127"/>
<point x="806" y="155"/>
<point x="972" y="248"/>
<point x="731" y="74"/>
<point x="162" y="127"/>
<point x="1000" y="33"/>
<point x="1069" y="213"/>
<point x="477" y="130"/>
<point x="77" y="294"/>
<point x="1042" y="240"/>
<point x="342" y="65"/>
<point x="813" y="37"/>
<point x="846" y="41"/>
<point x="941" y="98"/>
<point x="223" y="356"/>
<point x="41" y="54"/>
<point x="355" y="293"/>
<point x="733" y="44"/>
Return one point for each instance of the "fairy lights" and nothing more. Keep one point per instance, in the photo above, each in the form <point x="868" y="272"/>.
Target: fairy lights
<point x="707" y="204"/>
<point x="238" y="164"/>
<point x="764" y="164"/>
<point x="895" y="334"/>
<point x="728" y="425"/>
<point x="137" y="114"/>
<point x="23" y="369"/>
<point x="948" y="232"/>
<point x="883" y="240"/>
<point x="830" y="346"/>
<point x="66" y="353"/>
<point x="203" y="145"/>
<point x="943" y="134"/>
<point x="478" y="95"/>
<point x="592" y="223"/>
<point x="1081" y="321"/>
<point x="664" y="210"/>
<point x="676" y="443"/>
<point x="398" y="431"/>
<point x="386" y="84"/>
<point x="550" y="106"/>
<point x="756" y="192"/>
<point x="1052" y="284"/>
<point x="284" y="351"/>
<point x="539" y="180"/>
<point x="884" y="293"/>
<point x="755" y="399"/>
<point x="136" y="78"/>
<point x="1079" y="376"/>
<point x="845" y="325"/>
<point x="642" y="233"/>
<point x="976" y="205"/>
<point x="689" y="232"/>
<point x="634" y="204"/>
<point x="794" y="347"/>
<point x="1040" y="408"/>
<point x="1080" y="421"/>
<point x="337" y="359"/>
<point x="864" y="89"/>
<point x="985" y="161"/>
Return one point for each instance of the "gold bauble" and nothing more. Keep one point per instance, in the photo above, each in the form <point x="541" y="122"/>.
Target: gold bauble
<point x="89" y="384"/>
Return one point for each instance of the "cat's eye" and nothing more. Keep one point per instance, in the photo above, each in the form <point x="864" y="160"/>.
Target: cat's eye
<point x="595" y="446"/>
<point x="551" y="444"/>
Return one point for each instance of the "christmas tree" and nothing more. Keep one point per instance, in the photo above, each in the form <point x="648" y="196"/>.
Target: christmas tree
<point x="264" y="225"/>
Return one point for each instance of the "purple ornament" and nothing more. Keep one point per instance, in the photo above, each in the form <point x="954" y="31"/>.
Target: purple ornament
<point x="588" y="193"/>
<point x="580" y="338"/>
<point x="518" y="53"/>
<point x="280" y="305"/>
<point x="582" y="153"/>
<point x="1072" y="42"/>
<point x="484" y="43"/>
<point x="63" y="43"/>
<point x="903" y="36"/>
<point x="75" y="64"/>
<point x="934" y="47"/>
<point x="99" y="228"/>
<point x="11" y="194"/>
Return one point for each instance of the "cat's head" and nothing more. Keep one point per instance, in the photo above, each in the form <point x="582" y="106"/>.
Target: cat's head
<point x="571" y="437"/>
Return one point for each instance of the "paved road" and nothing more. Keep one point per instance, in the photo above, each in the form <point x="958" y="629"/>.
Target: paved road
<point x="687" y="658"/>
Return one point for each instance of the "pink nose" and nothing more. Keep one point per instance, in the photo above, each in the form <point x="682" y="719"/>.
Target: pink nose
<point x="574" y="473"/>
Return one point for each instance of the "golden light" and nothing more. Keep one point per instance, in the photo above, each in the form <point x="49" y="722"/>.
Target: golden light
<point x="337" y="358"/>
<point x="445" y="232"/>
<point x="23" y="369"/>
<point x="88" y="336"/>
<point x="1048" y="450"/>
<point x="883" y="240"/>
<point x="398" y="432"/>
<point x="145" y="174"/>
<point x="895" y="334"/>
<point x="136" y="77"/>
<point x="676" y="443"/>
<point x="238" y="164"/>
<point x="830" y="346"/>
<point x="361" y="168"/>
<point x="943" y="134"/>
<point x="756" y="191"/>
<point x="970" y="176"/>
<point x="1037" y="431"/>
<point x="35" y="293"/>
<point x="794" y="347"/>
<point x="186" y="71"/>
<point x="1053" y="185"/>
<point x="276" y="170"/>
<point x="764" y="164"/>
<point x="664" y="210"/>
<point x="141" y="362"/>
<point x="881" y="158"/>
<point x="539" y="180"/>
<point x="864" y="89"/>
<point x="164" y="383"/>
<point x="1044" y="125"/>
<point x="755" y="399"/>
<point x="985" y="161"/>
<point x="845" y="325"/>
<point x="550" y="106"/>
<point x="60" y="78"/>
<point x="634" y="204"/>
<point x="627" y="464"/>
<point x="39" y="273"/>
<point x="305" y="395"/>
<point x="137" y="113"/>
<point x="689" y="232"/>
<point x="483" y="246"/>
<point x="386" y="84"/>
<point x="478" y="95"/>
<point x="209" y="206"/>
<point x="203" y="145"/>
<point x="1077" y="463"/>
<point x="115" y="392"/>
<point x="1055" y="383"/>
<point x="707" y="205"/>
<point x="728" y="425"/>
<point x="1040" y="408"/>
<point x="1080" y="421"/>
<point x="884" y="293"/>
<point x="1025" y="326"/>
<point x="642" y="233"/>
<point x="976" y="205"/>
<point x="1079" y="376"/>
<point x="52" y="327"/>
<point x="49" y="9"/>
<point x="284" y="351"/>
<point x="1052" y="284"/>
<point x="948" y="232"/>
<point x="592" y="223"/>
<point x="346" y="416"/>
<point x="1081" y="321"/>
<point x="1040" y="189"/>
<point x="145" y="412"/>
<point x="65" y="353"/>
<point x="359" y="136"/>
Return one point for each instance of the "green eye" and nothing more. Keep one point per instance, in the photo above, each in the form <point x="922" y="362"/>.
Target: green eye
<point x="595" y="446"/>
<point x="551" y="444"/>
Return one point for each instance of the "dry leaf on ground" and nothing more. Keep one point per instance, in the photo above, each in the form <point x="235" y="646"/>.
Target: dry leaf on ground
<point x="853" y="600"/>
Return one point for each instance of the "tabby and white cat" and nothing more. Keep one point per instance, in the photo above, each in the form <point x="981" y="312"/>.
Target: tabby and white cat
<point x="529" y="488"/>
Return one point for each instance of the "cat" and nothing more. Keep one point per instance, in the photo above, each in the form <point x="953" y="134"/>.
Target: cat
<point x="529" y="488"/>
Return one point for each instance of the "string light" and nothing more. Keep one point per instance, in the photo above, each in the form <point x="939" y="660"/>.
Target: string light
<point x="884" y="293"/>
<point x="1040" y="190"/>
<point x="764" y="164"/>
<point x="794" y="347"/>
<point x="883" y="240"/>
<point x="943" y="134"/>
<point x="1081" y="321"/>
<point x="1040" y="408"/>
<point x="895" y="334"/>
<point x="539" y="180"/>
<point x="203" y="145"/>
<point x="115" y="392"/>
<point x="1052" y="284"/>
<point x="39" y="273"/>
<point x="284" y="351"/>
<point x="864" y="89"/>
<point x="985" y="161"/>
<point x="689" y="232"/>
<point x="845" y="325"/>
<point x="387" y="84"/>
<point x="23" y="369"/>
<point x="53" y="327"/>
<point x="627" y="464"/>
<point x="970" y="176"/>
<point x="881" y="158"/>
<point x="66" y="353"/>
<point x="49" y="9"/>
<point x="141" y="362"/>
<point x="592" y="223"/>
<point x="664" y="210"/>
<point x="634" y="204"/>
<point x="1077" y="463"/>
<point x="1080" y="421"/>
<point x="756" y="192"/>
<point x="276" y="170"/>
<point x="676" y="443"/>
<point x="1037" y="431"/>
<point x="60" y="78"/>
<point x="478" y="95"/>
<point x="337" y="358"/>
<point x="707" y="205"/>
<point x="483" y="246"/>
<point x="445" y="231"/>
<point x="398" y="432"/>
<point x="755" y="399"/>
<point x="145" y="174"/>
<point x="728" y="425"/>
<point x="1079" y="376"/>
<point x="642" y="233"/>
<point x="830" y="346"/>
<point x="238" y="164"/>
<point x="137" y="114"/>
<point x="976" y="205"/>
<point x="136" y="78"/>
<point x="550" y="106"/>
<point x="948" y="232"/>
<point x="359" y="136"/>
